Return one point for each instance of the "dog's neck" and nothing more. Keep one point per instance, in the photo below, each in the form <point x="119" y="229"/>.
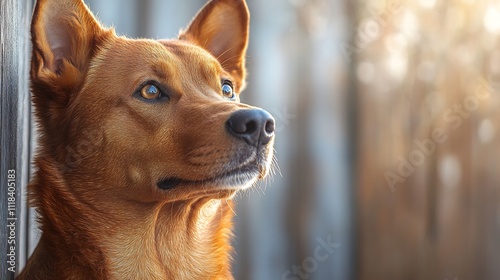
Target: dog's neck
<point x="171" y="240"/>
<point x="177" y="240"/>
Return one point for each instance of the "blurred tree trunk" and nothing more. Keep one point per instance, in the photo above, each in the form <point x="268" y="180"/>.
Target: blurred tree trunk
<point x="436" y="216"/>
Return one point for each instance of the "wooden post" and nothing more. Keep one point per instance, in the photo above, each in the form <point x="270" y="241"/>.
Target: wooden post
<point x="14" y="134"/>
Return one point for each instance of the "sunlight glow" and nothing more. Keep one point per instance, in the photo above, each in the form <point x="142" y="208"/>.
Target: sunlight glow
<point x="409" y="25"/>
<point x="486" y="131"/>
<point x="469" y="2"/>
<point x="450" y="171"/>
<point x="428" y="4"/>
<point x="397" y="65"/>
<point x="396" y="43"/>
<point x="492" y="20"/>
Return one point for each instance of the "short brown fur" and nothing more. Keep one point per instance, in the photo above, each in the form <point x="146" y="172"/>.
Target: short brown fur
<point x="103" y="149"/>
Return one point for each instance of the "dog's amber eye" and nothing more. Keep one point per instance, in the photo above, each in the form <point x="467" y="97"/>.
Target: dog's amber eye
<point x="150" y="92"/>
<point x="227" y="90"/>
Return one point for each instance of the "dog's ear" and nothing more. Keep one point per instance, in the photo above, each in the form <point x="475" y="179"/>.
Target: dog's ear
<point x="64" y="34"/>
<point x="222" y="28"/>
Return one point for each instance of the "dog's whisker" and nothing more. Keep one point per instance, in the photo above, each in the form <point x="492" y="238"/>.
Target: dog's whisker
<point x="224" y="52"/>
<point x="229" y="205"/>
<point x="223" y="63"/>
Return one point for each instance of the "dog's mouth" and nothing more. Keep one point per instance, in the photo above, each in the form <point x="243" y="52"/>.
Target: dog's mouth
<point x="239" y="178"/>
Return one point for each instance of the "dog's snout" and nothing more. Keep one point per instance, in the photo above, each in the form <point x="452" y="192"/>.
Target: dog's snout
<point x="255" y="126"/>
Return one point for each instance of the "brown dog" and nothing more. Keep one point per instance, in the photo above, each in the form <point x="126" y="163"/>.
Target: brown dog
<point x="143" y="143"/>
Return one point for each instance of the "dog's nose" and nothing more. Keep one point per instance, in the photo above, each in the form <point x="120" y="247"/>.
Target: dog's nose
<point x="255" y="126"/>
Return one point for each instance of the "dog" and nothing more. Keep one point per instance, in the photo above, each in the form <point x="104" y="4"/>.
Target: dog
<point x="143" y="144"/>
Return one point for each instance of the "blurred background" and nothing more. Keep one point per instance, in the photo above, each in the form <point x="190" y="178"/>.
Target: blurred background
<point x="388" y="137"/>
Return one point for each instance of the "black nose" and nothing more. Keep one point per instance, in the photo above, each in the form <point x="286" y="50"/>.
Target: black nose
<point x="255" y="126"/>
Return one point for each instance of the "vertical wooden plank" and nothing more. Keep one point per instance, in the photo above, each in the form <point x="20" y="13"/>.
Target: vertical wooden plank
<point x="8" y="115"/>
<point x="352" y="115"/>
<point x="14" y="134"/>
<point x="25" y="126"/>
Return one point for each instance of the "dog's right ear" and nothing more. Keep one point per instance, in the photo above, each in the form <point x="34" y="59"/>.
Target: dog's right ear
<point x="64" y="34"/>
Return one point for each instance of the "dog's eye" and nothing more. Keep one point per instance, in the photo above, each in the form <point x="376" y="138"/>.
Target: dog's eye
<point x="150" y="92"/>
<point x="227" y="90"/>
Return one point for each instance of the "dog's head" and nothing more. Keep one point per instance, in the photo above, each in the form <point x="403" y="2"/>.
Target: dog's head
<point x="148" y="119"/>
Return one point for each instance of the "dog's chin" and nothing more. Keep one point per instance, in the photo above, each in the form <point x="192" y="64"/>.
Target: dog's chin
<point x="236" y="179"/>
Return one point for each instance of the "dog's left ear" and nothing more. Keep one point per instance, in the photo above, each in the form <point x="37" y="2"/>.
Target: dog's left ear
<point x="221" y="27"/>
<point x="65" y="36"/>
